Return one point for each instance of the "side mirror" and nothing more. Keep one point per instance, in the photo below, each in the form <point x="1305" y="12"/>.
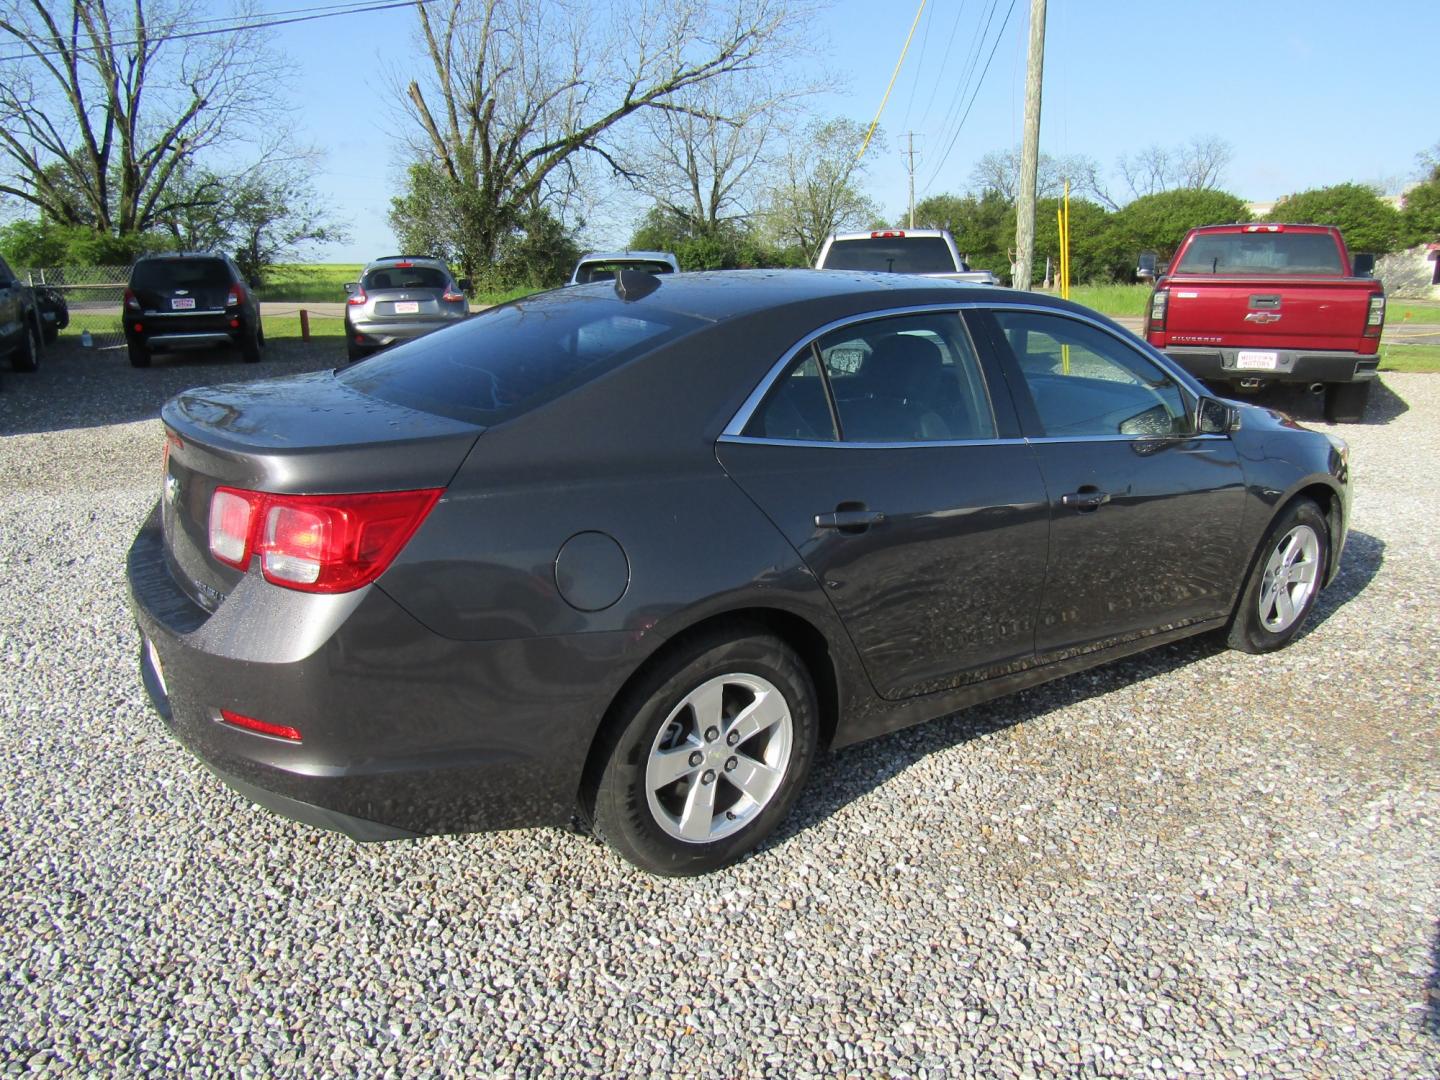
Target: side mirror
<point x="350" y="287"/>
<point x="466" y="285"/>
<point x="1214" y="417"/>
<point x="1364" y="265"/>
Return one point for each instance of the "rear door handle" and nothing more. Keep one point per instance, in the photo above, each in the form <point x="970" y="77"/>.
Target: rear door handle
<point x="1086" y="500"/>
<point x="849" y="520"/>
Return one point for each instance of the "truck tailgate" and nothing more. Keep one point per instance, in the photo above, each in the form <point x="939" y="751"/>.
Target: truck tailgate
<point x="1269" y="312"/>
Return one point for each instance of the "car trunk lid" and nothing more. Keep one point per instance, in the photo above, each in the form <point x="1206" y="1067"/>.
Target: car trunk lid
<point x="306" y="434"/>
<point x="1269" y="311"/>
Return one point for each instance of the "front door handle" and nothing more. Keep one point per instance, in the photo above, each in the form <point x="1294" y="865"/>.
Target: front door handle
<point x="1087" y="500"/>
<point x="849" y="521"/>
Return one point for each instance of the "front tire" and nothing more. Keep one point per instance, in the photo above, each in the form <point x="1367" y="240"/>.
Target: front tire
<point x="1286" y="578"/>
<point x="1345" y="402"/>
<point x="707" y="756"/>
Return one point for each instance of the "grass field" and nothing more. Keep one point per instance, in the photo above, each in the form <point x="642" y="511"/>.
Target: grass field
<point x="1411" y="311"/>
<point x="1424" y="358"/>
<point x="1112" y="300"/>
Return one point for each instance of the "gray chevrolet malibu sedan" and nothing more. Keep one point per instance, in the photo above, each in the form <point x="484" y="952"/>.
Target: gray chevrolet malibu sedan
<point x="632" y="553"/>
<point x="400" y="297"/>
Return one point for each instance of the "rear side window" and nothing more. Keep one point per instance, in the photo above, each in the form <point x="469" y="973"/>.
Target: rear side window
<point x="1261" y="253"/>
<point x="511" y="359"/>
<point x="897" y="255"/>
<point x="181" y="274"/>
<point x="412" y="277"/>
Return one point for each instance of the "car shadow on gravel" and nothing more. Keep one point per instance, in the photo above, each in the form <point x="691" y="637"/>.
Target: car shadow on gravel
<point x="840" y="778"/>
<point x="83" y="388"/>
<point x="1430" y="1022"/>
<point x="1309" y="408"/>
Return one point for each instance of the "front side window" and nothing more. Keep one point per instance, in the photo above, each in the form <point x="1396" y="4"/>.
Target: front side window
<point x="904" y="379"/>
<point x="1085" y="382"/>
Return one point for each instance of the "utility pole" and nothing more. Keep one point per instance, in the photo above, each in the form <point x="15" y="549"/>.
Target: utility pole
<point x="911" y="136"/>
<point x="1030" y="151"/>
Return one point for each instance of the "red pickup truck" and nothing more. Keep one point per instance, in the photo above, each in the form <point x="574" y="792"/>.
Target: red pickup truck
<point x="1249" y="305"/>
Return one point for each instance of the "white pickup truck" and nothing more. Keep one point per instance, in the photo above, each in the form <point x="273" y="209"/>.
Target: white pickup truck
<point x="927" y="252"/>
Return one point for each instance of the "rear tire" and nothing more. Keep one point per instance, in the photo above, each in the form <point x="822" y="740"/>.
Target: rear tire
<point x="1345" y="402"/>
<point x="250" y="347"/>
<point x="1287" y="575"/>
<point x="27" y="357"/>
<point x="139" y="354"/>
<point x="707" y="754"/>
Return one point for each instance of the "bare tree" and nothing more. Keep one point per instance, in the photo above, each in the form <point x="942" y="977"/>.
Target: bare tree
<point x="999" y="171"/>
<point x="518" y="89"/>
<point x="706" y="162"/>
<point x="103" y="103"/>
<point x="818" y="190"/>
<point x="1198" y="164"/>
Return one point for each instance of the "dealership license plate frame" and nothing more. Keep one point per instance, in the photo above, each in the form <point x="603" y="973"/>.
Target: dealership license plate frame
<point x="1256" y="360"/>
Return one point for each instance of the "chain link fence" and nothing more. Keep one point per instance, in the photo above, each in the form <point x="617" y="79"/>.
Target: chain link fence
<point x="85" y="301"/>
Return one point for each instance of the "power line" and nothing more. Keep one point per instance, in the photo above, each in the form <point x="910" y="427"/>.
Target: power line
<point x="895" y="75"/>
<point x="919" y="66"/>
<point x="935" y="87"/>
<point x="943" y="157"/>
<point x="361" y="8"/>
<point x="967" y="72"/>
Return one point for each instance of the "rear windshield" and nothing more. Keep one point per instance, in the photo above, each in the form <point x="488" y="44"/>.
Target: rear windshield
<point x="605" y="271"/>
<point x="511" y="359"/>
<point x="1262" y="253"/>
<point x="157" y="274"/>
<point x="409" y="277"/>
<point x="896" y="255"/>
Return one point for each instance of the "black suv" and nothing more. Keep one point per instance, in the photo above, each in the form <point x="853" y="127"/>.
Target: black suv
<point x="190" y="299"/>
<point x="19" y="321"/>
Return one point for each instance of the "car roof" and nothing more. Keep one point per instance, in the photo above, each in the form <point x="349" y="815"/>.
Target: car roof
<point x="1265" y="226"/>
<point x="724" y="294"/>
<point x="184" y="255"/>
<point x="617" y="256"/>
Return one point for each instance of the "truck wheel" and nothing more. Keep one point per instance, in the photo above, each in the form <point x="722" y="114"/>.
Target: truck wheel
<point x="27" y="357"/>
<point x="1345" y="402"/>
<point x="139" y="355"/>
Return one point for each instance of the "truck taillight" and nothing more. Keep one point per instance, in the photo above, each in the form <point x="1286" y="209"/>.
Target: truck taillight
<point x="316" y="543"/>
<point x="1263" y="228"/>
<point x="1159" y="304"/>
<point x="1375" y="319"/>
<point x="888" y="234"/>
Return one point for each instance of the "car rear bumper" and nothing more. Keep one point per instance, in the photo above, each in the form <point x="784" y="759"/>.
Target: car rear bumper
<point x="387" y="332"/>
<point x="1291" y="365"/>
<point x="404" y="732"/>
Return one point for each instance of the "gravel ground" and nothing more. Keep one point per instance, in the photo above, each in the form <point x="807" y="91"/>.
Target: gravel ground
<point x="1194" y="861"/>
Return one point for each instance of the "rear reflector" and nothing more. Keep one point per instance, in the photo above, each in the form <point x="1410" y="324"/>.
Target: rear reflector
<point x="262" y="727"/>
<point x="316" y="543"/>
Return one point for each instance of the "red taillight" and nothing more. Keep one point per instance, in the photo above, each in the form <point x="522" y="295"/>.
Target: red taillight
<point x="452" y="297"/>
<point x="1263" y="228"/>
<point x="887" y="234"/>
<point x="403" y="265"/>
<point x="357" y="297"/>
<point x="1159" y="304"/>
<point x="236" y="296"/>
<point x="1375" y="316"/>
<point x="316" y="543"/>
<point x="263" y="727"/>
<point x="132" y="302"/>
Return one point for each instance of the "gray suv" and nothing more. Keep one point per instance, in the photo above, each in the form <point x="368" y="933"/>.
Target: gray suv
<point x="400" y="297"/>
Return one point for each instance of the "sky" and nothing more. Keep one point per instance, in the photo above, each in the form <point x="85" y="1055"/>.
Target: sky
<point x="1306" y="93"/>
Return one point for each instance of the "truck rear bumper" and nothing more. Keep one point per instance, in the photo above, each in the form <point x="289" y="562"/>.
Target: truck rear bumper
<point x="1291" y="365"/>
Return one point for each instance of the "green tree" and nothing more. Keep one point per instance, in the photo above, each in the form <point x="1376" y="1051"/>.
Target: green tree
<point x="48" y="243"/>
<point x="983" y="226"/>
<point x="818" y="191"/>
<point x="1368" y="222"/>
<point x="1420" y="220"/>
<point x="1159" y="222"/>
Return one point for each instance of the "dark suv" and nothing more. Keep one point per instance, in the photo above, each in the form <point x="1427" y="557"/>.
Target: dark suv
<point x="19" y="321"/>
<point x="190" y="299"/>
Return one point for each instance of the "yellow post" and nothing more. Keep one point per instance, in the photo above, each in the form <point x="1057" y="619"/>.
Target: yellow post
<point x="1063" y="211"/>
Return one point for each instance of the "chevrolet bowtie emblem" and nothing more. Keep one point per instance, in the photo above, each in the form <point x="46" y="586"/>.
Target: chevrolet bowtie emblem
<point x="1263" y="317"/>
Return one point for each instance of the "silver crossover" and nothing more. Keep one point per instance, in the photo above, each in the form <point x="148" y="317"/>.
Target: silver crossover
<point x="400" y="297"/>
